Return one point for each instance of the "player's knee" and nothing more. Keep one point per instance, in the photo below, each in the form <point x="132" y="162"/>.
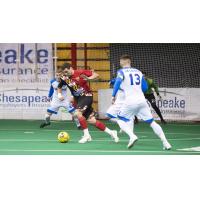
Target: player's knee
<point x="153" y="124"/>
<point x="92" y="120"/>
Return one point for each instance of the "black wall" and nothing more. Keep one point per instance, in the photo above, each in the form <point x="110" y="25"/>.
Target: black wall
<point x="171" y="65"/>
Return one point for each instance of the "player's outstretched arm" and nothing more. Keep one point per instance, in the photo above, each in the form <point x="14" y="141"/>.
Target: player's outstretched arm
<point x="94" y="76"/>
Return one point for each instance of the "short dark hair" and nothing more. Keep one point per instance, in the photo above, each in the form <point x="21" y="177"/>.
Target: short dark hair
<point x="66" y="65"/>
<point x="125" y="57"/>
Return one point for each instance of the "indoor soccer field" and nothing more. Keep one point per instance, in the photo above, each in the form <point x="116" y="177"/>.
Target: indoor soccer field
<point x="24" y="137"/>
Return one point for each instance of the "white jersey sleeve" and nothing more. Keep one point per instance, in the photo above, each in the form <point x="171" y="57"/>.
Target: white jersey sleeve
<point x="55" y="87"/>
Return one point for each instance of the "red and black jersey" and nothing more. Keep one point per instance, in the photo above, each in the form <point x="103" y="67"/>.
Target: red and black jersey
<point x="77" y="84"/>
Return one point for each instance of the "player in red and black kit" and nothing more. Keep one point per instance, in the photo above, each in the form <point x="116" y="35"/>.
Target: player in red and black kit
<point x="76" y="81"/>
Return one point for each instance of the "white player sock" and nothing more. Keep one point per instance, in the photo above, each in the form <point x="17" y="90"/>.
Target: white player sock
<point x="86" y="132"/>
<point x="107" y="130"/>
<point x="126" y="128"/>
<point x="131" y="124"/>
<point x="158" y="131"/>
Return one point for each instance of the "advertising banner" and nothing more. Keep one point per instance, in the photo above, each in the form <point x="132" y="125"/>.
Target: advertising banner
<point x="181" y="104"/>
<point x="25" y="74"/>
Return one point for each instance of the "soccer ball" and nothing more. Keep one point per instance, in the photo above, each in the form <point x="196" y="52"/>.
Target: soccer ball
<point x="63" y="137"/>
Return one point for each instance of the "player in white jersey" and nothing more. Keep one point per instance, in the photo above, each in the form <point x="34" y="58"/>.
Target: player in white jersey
<point x="133" y="83"/>
<point x="56" y="104"/>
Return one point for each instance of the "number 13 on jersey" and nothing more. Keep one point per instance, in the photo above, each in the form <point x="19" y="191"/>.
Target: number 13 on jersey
<point x="135" y="80"/>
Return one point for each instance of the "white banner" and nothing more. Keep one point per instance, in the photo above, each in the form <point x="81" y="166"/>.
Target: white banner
<point x="181" y="104"/>
<point x="25" y="74"/>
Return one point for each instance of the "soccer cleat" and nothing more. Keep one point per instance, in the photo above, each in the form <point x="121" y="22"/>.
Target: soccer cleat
<point x="85" y="139"/>
<point x="44" y="124"/>
<point x="166" y="145"/>
<point x="132" y="141"/>
<point x="114" y="136"/>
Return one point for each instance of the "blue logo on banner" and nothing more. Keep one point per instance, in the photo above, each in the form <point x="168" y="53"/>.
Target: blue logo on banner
<point x="10" y="55"/>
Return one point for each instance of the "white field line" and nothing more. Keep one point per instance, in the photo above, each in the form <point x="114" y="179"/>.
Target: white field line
<point x="55" y="130"/>
<point x="96" y="151"/>
<point x="174" y="124"/>
<point x="111" y="123"/>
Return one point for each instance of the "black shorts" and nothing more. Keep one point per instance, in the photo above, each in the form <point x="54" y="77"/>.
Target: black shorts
<point x="84" y="103"/>
<point x="151" y="98"/>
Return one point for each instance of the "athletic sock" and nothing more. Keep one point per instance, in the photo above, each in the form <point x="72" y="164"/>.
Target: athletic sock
<point x="131" y="124"/>
<point x="107" y="130"/>
<point x="100" y="125"/>
<point x="83" y="122"/>
<point x="84" y="126"/>
<point x="86" y="132"/>
<point x="47" y="118"/>
<point x="126" y="128"/>
<point x="158" y="131"/>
